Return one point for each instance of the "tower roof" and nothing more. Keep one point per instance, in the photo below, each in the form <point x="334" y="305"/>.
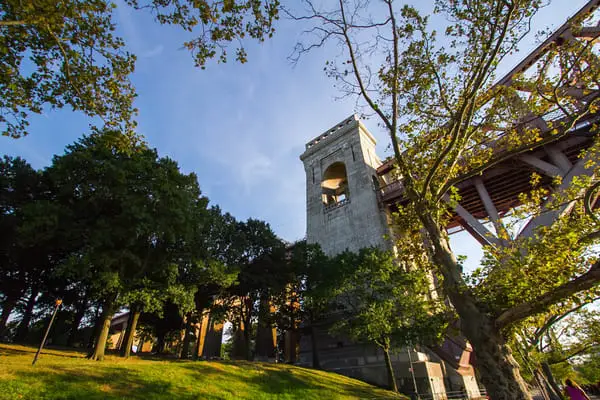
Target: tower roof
<point x="336" y="131"/>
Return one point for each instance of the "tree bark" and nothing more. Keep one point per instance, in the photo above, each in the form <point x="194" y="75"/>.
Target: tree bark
<point x="292" y="355"/>
<point x="390" y="370"/>
<point x="547" y="390"/>
<point x="130" y="332"/>
<point x="7" y="308"/>
<point x="160" y="342"/>
<point x="198" y="349"/>
<point x="79" y="314"/>
<point x="23" y="328"/>
<point x="124" y="332"/>
<point x="499" y="370"/>
<point x="107" y="313"/>
<point x="248" y="350"/>
<point x="247" y="322"/>
<point x="185" y="347"/>
<point x="315" y="348"/>
<point x="97" y="328"/>
<point x="550" y="378"/>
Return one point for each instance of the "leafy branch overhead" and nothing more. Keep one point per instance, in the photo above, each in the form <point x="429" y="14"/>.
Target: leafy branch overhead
<point x="66" y="53"/>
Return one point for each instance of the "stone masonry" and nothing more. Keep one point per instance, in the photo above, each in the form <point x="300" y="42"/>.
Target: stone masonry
<point x="359" y="221"/>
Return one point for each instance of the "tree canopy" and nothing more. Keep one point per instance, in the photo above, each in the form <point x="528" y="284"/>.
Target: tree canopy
<point x="66" y="53"/>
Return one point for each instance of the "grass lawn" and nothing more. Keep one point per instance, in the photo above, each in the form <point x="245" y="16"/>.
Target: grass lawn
<point x="68" y="375"/>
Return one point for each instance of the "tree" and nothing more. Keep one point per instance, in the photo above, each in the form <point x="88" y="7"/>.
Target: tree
<point x="260" y="263"/>
<point x="17" y="180"/>
<point x="27" y="254"/>
<point x="566" y="331"/>
<point x="169" y="248"/>
<point x="447" y="121"/>
<point x="130" y="212"/>
<point x="213" y="271"/>
<point x="65" y="53"/>
<point x="298" y="301"/>
<point x="386" y="304"/>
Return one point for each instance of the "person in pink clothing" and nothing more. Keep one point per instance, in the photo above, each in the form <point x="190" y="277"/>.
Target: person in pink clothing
<point x="574" y="392"/>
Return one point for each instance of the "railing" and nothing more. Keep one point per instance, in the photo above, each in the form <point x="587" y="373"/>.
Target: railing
<point x="330" y="132"/>
<point x="341" y="203"/>
<point x="395" y="186"/>
<point x="454" y="395"/>
<point x="553" y="116"/>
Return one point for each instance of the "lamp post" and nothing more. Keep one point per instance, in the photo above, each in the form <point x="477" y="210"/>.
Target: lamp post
<point x="57" y="304"/>
<point x="412" y="372"/>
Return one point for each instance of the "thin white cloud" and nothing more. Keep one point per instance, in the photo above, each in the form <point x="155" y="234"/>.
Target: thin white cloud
<point x="156" y="51"/>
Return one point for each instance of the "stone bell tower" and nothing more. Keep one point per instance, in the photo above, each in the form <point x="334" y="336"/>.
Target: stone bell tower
<point x="342" y="189"/>
<point x="344" y="211"/>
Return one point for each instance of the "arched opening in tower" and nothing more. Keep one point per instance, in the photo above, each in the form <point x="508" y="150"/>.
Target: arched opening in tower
<point x="335" y="185"/>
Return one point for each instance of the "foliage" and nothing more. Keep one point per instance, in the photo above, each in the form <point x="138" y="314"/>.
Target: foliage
<point x="261" y="275"/>
<point x="112" y="224"/>
<point x="65" y="53"/>
<point x="307" y="295"/>
<point x="132" y="216"/>
<point x="57" y="53"/>
<point x="219" y="23"/>
<point x="28" y="255"/>
<point x="385" y="302"/>
<point x="589" y="369"/>
<point x="132" y="211"/>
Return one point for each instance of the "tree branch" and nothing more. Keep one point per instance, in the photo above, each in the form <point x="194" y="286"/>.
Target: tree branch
<point x="571" y="355"/>
<point x="15" y="23"/>
<point x="524" y="310"/>
<point x="359" y="79"/>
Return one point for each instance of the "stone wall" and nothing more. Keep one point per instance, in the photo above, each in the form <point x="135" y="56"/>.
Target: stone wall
<point x="360" y="221"/>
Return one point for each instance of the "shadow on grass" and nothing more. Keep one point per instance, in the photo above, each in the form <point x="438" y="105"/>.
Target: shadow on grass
<point x="61" y="376"/>
<point x="103" y="380"/>
<point x="20" y="350"/>
<point x="277" y="381"/>
<point x="114" y="384"/>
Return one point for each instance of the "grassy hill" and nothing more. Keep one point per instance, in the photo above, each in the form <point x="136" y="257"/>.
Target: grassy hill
<point x="68" y="375"/>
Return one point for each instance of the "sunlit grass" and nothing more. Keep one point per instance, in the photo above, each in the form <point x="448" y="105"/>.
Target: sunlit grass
<point x="68" y="375"/>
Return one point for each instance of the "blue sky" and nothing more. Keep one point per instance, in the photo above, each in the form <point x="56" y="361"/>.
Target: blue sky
<point x="240" y="128"/>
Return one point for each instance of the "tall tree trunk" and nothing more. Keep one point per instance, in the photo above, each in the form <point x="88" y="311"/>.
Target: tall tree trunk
<point x="130" y="332"/>
<point x="108" y="310"/>
<point x="390" y="369"/>
<point x="185" y="347"/>
<point x="124" y="332"/>
<point x="160" y="342"/>
<point x="550" y="377"/>
<point x="247" y="321"/>
<point x="197" y="348"/>
<point x="97" y="328"/>
<point x="23" y="328"/>
<point x="291" y="345"/>
<point x="499" y="370"/>
<point x="247" y="349"/>
<point x="315" y="348"/>
<point x="7" y="307"/>
<point x="545" y="387"/>
<point x="74" y="331"/>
